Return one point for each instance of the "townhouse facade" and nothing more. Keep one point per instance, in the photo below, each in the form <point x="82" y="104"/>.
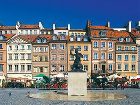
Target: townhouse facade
<point x="40" y="55"/>
<point x="103" y="50"/>
<point x="84" y="47"/>
<point x="19" y="58"/>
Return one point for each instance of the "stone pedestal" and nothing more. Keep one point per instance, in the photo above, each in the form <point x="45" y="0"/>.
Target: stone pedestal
<point x="77" y="83"/>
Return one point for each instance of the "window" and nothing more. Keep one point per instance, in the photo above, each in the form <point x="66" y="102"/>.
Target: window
<point x="54" y="57"/>
<point x="79" y="48"/>
<point x="119" y="66"/>
<point x="22" y="56"/>
<point x="71" y="47"/>
<point x="41" y="69"/>
<point x="110" y="45"/>
<point x="16" y="47"/>
<point x="126" y="48"/>
<point x="78" y="38"/>
<point x="85" y="57"/>
<point x="28" y="47"/>
<point x="1" y="56"/>
<point x="30" y="32"/>
<point x="10" y="48"/>
<point x="85" y="48"/>
<point x="126" y="67"/>
<point x="62" y="68"/>
<point x="22" y="67"/>
<point x="1" y="67"/>
<point x="53" y="46"/>
<point x="102" y="44"/>
<point x="62" y="57"/>
<point x="133" y="67"/>
<point x="119" y="47"/>
<point x="110" y="67"/>
<point x="120" y="39"/>
<point x="29" y="67"/>
<point x="41" y="49"/>
<point x="110" y="56"/>
<point x="10" y="56"/>
<point x="119" y="58"/>
<point x="71" y="38"/>
<point x="95" y="67"/>
<point x="22" y="47"/>
<point x="71" y="58"/>
<point x="16" y="56"/>
<point x="61" y="46"/>
<point x="133" y="48"/>
<point x="133" y="58"/>
<point x="53" y="68"/>
<point x="46" y="58"/>
<point x="10" y="67"/>
<point x="0" y="46"/>
<point x="102" y="33"/>
<point x="54" y="37"/>
<point x="126" y="57"/>
<point x="127" y="39"/>
<point x="46" y="69"/>
<point x="102" y="55"/>
<point x="16" y="67"/>
<point x="95" y="56"/>
<point x="85" y="68"/>
<point x="62" y="37"/>
<point x="29" y="56"/>
<point x="35" y="31"/>
<point x="40" y="58"/>
<point x="46" y="48"/>
<point x="95" y="44"/>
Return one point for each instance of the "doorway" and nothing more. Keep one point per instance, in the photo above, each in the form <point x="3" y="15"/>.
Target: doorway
<point x="103" y="68"/>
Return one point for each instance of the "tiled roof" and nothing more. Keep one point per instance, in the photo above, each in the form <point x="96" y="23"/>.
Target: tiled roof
<point x="110" y="33"/>
<point x="136" y="33"/>
<point x="7" y="27"/>
<point x="29" y="26"/>
<point x="100" y="27"/>
<point x="8" y="36"/>
<point x="29" y="38"/>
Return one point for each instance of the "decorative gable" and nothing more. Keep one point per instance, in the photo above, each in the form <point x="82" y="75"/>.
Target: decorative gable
<point x="17" y="40"/>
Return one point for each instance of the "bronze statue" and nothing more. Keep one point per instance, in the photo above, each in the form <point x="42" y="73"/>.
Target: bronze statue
<point x="77" y="66"/>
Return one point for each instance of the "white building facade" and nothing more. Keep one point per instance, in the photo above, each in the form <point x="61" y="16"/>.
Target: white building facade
<point x="19" y="58"/>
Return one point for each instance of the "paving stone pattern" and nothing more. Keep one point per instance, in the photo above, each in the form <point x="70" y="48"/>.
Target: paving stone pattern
<point x="19" y="97"/>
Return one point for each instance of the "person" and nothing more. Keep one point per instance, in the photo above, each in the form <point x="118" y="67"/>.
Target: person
<point x="10" y="93"/>
<point x="116" y="83"/>
<point x="28" y="94"/>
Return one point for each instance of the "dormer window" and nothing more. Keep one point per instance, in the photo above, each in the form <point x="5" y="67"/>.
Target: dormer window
<point x="39" y="40"/>
<point x="102" y="33"/>
<point x="72" y="38"/>
<point x="62" y="37"/>
<point x="44" y="40"/>
<point x="127" y="39"/>
<point x="120" y="39"/>
<point x="2" y="37"/>
<point x="85" y="38"/>
<point x="55" y="37"/>
<point x="78" y="38"/>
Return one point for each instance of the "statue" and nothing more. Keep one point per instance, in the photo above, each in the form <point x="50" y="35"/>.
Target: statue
<point x="77" y="66"/>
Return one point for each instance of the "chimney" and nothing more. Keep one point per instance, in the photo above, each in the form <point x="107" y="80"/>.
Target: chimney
<point x="68" y="26"/>
<point x="129" y="26"/>
<point x="138" y="23"/>
<point x="41" y="26"/>
<point x="108" y="24"/>
<point x="53" y="26"/>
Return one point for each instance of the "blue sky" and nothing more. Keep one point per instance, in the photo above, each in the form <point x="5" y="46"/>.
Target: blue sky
<point x="75" y="12"/>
